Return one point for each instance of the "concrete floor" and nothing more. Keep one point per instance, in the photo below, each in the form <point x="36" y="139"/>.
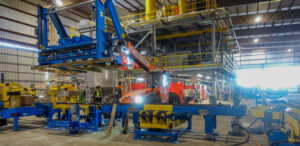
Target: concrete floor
<point x="32" y="132"/>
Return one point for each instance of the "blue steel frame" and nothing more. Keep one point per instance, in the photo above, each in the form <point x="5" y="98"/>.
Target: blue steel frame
<point x="96" y="48"/>
<point x="18" y="112"/>
<point x="91" y="125"/>
<point x="210" y="118"/>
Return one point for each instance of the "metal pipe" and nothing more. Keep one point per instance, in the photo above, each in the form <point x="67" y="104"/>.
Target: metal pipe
<point x="213" y="36"/>
<point x="150" y="9"/>
<point x="182" y="6"/>
<point x="71" y="6"/>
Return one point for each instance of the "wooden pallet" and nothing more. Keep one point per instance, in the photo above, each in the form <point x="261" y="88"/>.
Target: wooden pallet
<point x="79" y="66"/>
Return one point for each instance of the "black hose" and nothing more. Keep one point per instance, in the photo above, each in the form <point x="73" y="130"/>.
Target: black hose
<point x="246" y="140"/>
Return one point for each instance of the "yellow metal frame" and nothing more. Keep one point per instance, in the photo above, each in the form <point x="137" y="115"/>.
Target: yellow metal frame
<point x="14" y="87"/>
<point x="260" y="110"/>
<point x="159" y="123"/>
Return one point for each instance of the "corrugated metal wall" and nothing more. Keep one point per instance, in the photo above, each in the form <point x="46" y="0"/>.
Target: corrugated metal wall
<point x="18" y="23"/>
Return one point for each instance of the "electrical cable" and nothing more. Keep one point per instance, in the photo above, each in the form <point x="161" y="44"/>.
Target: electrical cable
<point x="246" y="140"/>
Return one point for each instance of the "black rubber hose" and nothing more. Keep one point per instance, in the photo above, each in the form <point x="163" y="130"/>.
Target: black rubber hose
<point x="246" y="140"/>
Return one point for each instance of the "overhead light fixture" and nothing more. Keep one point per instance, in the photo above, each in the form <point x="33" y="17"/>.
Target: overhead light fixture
<point x="16" y="46"/>
<point x="208" y="77"/>
<point x="199" y="75"/>
<point x="257" y="19"/>
<point x="255" y="40"/>
<point x="289" y="50"/>
<point x="59" y="3"/>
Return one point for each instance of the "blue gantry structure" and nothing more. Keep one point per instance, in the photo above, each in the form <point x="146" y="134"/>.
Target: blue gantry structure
<point x="80" y="47"/>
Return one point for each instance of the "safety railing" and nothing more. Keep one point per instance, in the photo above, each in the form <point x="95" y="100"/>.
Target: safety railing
<point x="199" y="60"/>
<point x="168" y="11"/>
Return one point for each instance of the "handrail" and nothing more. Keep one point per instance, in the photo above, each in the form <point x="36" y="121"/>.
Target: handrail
<point x="168" y="12"/>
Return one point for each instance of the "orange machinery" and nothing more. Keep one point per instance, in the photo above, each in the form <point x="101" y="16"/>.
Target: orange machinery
<point x="158" y="81"/>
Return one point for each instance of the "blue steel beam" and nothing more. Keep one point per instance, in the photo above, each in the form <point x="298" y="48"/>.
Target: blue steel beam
<point x="115" y="18"/>
<point x="42" y="28"/>
<point x="100" y="27"/>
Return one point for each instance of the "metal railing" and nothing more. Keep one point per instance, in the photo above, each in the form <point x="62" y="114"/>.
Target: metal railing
<point x="197" y="60"/>
<point x="169" y="11"/>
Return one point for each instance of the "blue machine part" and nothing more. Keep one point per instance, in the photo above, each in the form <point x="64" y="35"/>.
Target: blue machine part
<point x="18" y="112"/>
<point x="65" y="121"/>
<point x="79" y="47"/>
<point x="277" y="137"/>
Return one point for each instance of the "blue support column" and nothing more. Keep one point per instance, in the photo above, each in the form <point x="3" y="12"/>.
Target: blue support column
<point x="16" y="123"/>
<point x="100" y="27"/>
<point x="209" y="125"/>
<point x="123" y="118"/>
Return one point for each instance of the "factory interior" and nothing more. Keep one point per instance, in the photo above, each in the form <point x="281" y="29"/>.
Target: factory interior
<point x="150" y="72"/>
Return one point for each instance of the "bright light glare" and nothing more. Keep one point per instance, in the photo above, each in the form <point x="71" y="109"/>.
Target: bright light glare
<point x="59" y="3"/>
<point x="257" y="19"/>
<point x="274" y="78"/>
<point x="47" y="76"/>
<point x="140" y="79"/>
<point x="199" y="75"/>
<point x="138" y="99"/>
<point x="208" y="77"/>
<point x="129" y="61"/>
<point x="255" y="40"/>
<point x="289" y="50"/>
<point x="164" y="80"/>
<point x="15" y="46"/>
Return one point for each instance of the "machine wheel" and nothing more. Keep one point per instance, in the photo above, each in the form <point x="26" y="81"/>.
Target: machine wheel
<point x="152" y="98"/>
<point x="174" y="98"/>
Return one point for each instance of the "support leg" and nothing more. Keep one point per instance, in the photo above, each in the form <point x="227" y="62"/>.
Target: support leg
<point x="16" y="123"/>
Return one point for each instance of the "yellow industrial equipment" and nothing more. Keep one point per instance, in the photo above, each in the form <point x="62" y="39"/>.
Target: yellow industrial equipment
<point x="62" y="95"/>
<point x="158" y="117"/>
<point x="16" y="95"/>
<point x="150" y="9"/>
<point x="169" y="10"/>
<point x="65" y="93"/>
<point x="259" y="112"/>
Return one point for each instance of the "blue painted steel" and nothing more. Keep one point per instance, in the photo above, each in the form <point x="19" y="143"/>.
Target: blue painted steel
<point x="210" y="119"/>
<point x="42" y="31"/>
<point x="15" y="113"/>
<point x="100" y="26"/>
<point x="115" y="18"/>
<point x="91" y="124"/>
<point x="174" y="134"/>
<point x="82" y="47"/>
<point x="277" y="137"/>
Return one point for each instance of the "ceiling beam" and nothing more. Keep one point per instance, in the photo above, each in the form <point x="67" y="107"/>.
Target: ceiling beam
<point x="266" y="17"/>
<point x="129" y="3"/>
<point x="269" y="39"/>
<point x="122" y="6"/>
<point x="138" y="2"/>
<point x="268" y="30"/>
<point x="228" y="3"/>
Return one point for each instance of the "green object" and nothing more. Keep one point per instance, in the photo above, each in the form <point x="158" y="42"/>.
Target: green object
<point x="98" y="93"/>
<point x="82" y="96"/>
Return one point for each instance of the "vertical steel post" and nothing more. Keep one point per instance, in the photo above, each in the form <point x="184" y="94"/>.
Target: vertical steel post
<point x="213" y="36"/>
<point x="154" y="40"/>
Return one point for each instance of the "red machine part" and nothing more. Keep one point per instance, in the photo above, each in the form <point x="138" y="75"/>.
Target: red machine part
<point x="178" y="89"/>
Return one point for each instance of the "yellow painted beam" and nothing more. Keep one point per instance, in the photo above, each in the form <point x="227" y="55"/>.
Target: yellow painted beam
<point x="201" y="43"/>
<point x="176" y="35"/>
